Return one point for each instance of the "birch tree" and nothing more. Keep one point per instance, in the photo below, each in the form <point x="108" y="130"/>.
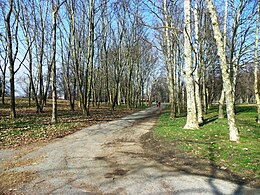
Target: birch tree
<point x="222" y="97"/>
<point x="55" y="8"/>
<point x="90" y="62"/>
<point x="256" y="69"/>
<point x="233" y="130"/>
<point x="197" y="63"/>
<point x="191" y="122"/>
<point x="168" y="57"/>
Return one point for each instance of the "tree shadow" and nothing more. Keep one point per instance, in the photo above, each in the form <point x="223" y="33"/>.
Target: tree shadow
<point x="241" y="109"/>
<point x="168" y="154"/>
<point x="209" y="120"/>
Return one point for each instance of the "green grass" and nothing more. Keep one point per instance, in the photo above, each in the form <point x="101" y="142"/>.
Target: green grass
<point x="211" y="140"/>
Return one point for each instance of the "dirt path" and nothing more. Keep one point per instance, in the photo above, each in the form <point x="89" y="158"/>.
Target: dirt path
<point x="102" y="159"/>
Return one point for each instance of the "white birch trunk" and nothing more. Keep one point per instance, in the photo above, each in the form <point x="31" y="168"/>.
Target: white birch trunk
<point x="256" y="72"/>
<point x="221" y="105"/>
<point x="53" y="61"/>
<point x="197" y="72"/>
<point x="233" y="130"/>
<point x="168" y="58"/>
<point x="191" y="122"/>
<point x="222" y="97"/>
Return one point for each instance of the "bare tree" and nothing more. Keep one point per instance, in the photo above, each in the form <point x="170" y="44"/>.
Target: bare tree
<point x="168" y="59"/>
<point x="55" y="8"/>
<point x="197" y="64"/>
<point x="192" y="122"/>
<point x="3" y="67"/>
<point x="233" y="130"/>
<point x="11" y="34"/>
<point x="256" y="68"/>
<point x="222" y="97"/>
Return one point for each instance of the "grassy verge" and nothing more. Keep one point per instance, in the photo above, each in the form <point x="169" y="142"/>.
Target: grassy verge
<point x="211" y="142"/>
<point x="30" y="127"/>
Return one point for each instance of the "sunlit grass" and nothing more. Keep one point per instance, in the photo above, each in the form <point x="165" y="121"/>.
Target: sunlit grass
<point x="211" y="140"/>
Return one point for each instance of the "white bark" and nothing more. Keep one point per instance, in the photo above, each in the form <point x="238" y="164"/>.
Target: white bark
<point x="222" y="97"/>
<point x="191" y="122"/>
<point x="233" y="130"/>
<point x="168" y="60"/>
<point x="197" y="72"/>
<point x="54" y="88"/>
<point x="256" y="70"/>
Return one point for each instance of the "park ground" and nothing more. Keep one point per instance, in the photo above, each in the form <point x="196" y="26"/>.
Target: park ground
<point x="206" y="152"/>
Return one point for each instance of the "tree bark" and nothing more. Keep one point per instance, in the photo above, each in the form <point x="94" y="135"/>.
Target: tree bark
<point x="222" y="97"/>
<point x="53" y="62"/>
<point x="233" y="130"/>
<point x="197" y="70"/>
<point x="11" y="56"/>
<point x="221" y="104"/>
<point x="191" y="122"/>
<point x="168" y="59"/>
<point x="91" y="29"/>
<point x="256" y="68"/>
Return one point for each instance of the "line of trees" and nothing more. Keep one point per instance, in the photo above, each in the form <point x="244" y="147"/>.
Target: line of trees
<point x="90" y="51"/>
<point x="212" y="50"/>
<point x="108" y="50"/>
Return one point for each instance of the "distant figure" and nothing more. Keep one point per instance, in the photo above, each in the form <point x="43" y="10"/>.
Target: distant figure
<point x="159" y="104"/>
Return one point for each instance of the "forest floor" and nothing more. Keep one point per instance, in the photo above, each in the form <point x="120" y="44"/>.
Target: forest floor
<point x="31" y="127"/>
<point x="116" y="157"/>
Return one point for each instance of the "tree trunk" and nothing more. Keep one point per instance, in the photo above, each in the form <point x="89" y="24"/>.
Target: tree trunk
<point x="233" y="130"/>
<point x="221" y="105"/>
<point x="256" y="69"/>
<point x="40" y="76"/>
<point x="191" y="122"/>
<point x="168" y="59"/>
<point x="53" y="62"/>
<point x="197" y="70"/>
<point x="11" y="58"/>
<point x="222" y="97"/>
<point x="179" y="90"/>
<point x="3" y="88"/>
<point x="90" y="54"/>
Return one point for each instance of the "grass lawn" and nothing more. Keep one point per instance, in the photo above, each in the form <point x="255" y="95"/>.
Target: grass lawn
<point x="211" y="141"/>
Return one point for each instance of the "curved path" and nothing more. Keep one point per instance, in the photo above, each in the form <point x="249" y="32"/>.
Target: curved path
<point x="105" y="159"/>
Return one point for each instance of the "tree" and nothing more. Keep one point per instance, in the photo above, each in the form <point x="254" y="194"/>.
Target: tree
<point x="233" y="130"/>
<point x="55" y="8"/>
<point x="90" y="57"/>
<point x="168" y="58"/>
<point x="256" y="68"/>
<point x="3" y="67"/>
<point x="191" y="122"/>
<point x="40" y="13"/>
<point x="222" y="97"/>
<point x="29" y="35"/>
<point x="197" y="64"/>
<point x="11" y="34"/>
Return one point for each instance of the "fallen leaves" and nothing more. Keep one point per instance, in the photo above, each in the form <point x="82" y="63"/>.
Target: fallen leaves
<point x="31" y="127"/>
<point x="12" y="179"/>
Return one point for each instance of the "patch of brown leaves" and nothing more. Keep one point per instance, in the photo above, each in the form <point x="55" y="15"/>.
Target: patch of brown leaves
<point x="30" y="127"/>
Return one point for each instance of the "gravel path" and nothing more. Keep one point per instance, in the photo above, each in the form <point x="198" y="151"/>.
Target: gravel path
<point x="105" y="159"/>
